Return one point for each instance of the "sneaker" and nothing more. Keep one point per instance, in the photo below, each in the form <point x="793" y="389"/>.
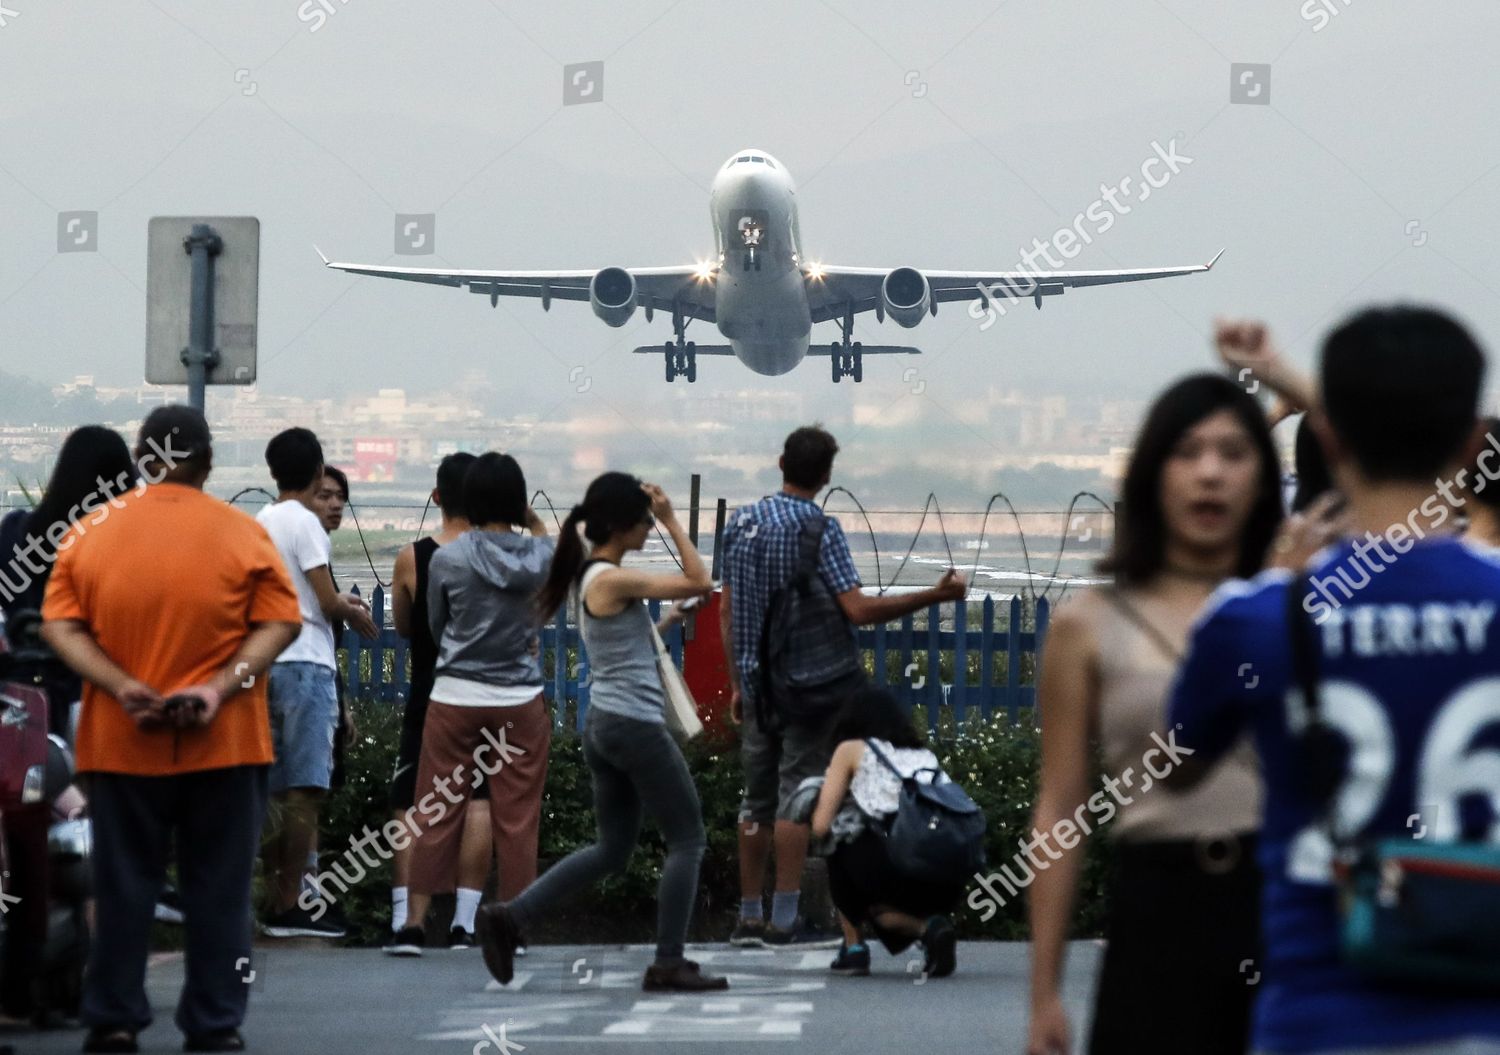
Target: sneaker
<point x="520" y="950"/>
<point x="685" y="977"/>
<point x="297" y="922"/>
<point x="801" y="935"/>
<point x="940" y="944"/>
<point x="406" y="942"/>
<point x="222" y="1040"/>
<point x="458" y="938"/>
<point x="169" y="906"/>
<point x="110" y="1039"/>
<point x="749" y="934"/>
<point x="498" y="938"/>
<point x="852" y="960"/>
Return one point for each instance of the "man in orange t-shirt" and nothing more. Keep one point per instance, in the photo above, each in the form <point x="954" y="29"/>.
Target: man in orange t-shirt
<point x="171" y="605"/>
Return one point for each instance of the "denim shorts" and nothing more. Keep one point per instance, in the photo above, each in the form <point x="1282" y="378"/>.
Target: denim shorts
<point x="304" y="714"/>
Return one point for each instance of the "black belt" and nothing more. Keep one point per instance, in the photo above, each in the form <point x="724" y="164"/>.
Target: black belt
<point x="1217" y="854"/>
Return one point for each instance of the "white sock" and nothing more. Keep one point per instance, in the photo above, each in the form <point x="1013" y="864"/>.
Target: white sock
<point x="398" y="908"/>
<point x="466" y="904"/>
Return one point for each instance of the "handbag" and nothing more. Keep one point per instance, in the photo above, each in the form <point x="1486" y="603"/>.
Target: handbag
<point x="1420" y="913"/>
<point x="681" y="711"/>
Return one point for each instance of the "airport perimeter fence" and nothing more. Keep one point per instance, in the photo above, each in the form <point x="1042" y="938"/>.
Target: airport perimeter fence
<point x="958" y="661"/>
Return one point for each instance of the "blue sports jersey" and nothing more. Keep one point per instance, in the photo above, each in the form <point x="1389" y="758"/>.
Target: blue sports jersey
<point x="1409" y="665"/>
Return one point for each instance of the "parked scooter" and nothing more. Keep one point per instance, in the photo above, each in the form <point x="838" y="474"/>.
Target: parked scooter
<point x="37" y="795"/>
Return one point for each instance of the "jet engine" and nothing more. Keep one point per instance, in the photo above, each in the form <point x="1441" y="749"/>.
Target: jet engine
<point x="612" y="295"/>
<point x="905" y="296"/>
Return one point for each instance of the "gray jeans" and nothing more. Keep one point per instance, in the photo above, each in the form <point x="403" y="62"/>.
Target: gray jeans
<point x="637" y="767"/>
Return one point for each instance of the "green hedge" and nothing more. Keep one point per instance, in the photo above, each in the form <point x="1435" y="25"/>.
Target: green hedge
<point x="997" y="763"/>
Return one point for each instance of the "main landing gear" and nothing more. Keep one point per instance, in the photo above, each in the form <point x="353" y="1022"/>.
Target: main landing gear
<point x="847" y="358"/>
<point x="681" y="356"/>
<point x="682" y="360"/>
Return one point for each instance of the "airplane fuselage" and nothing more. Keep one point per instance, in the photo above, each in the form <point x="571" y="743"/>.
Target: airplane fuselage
<point x="760" y="292"/>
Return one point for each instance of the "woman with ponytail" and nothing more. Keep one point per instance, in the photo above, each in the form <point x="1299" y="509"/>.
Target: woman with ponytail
<point x="636" y="765"/>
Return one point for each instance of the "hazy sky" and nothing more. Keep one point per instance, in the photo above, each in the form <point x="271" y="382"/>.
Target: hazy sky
<point x="940" y="135"/>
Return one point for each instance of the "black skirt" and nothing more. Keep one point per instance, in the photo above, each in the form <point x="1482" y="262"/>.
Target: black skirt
<point x="861" y="876"/>
<point x="1183" y="957"/>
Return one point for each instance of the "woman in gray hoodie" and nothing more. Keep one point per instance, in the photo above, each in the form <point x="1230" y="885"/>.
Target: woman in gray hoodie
<point x="486" y="716"/>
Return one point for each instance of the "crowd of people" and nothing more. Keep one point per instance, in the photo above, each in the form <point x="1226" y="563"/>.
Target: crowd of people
<point x="1300" y="730"/>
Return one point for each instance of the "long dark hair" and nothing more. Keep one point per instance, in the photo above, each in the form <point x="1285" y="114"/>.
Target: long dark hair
<point x="614" y="502"/>
<point x="93" y="460"/>
<point x="1313" y="476"/>
<point x="1139" y="550"/>
<point x="874" y="712"/>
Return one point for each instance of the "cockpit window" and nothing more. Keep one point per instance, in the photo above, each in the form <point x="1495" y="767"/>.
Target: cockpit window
<point x="770" y="162"/>
<point x="742" y="157"/>
<point x="756" y="157"/>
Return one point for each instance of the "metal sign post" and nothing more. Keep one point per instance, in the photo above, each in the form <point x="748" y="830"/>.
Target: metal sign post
<point x="202" y="289"/>
<point x="200" y="356"/>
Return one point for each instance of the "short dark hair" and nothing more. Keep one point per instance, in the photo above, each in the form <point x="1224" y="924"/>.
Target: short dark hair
<point x="339" y="478"/>
<point x="177" y="438"/>
<point x="1401" y="389"/>
<point x="295" y="458"/>
<point x="495" y="490"/>
<point x="807" y="457"/>
<point x="1139" y="551"/>
<point x="450" y="482"/>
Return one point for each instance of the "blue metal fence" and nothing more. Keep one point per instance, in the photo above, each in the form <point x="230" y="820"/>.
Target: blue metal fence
<point x="948" y="665"/>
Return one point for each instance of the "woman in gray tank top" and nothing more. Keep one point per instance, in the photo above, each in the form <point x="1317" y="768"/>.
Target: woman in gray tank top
<point x="636" y="766"/>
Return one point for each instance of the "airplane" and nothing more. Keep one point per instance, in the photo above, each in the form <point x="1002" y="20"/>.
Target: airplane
<point x="761" y="290"/>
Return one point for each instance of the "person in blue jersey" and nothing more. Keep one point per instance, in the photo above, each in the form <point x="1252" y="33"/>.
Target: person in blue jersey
<point x="1401" y="621"/>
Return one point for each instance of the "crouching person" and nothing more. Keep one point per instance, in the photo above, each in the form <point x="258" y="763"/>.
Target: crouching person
<point x="861" y="791"/>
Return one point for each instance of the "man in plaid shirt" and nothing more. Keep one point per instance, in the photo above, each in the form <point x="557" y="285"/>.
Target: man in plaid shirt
<point x="760" y="555"/>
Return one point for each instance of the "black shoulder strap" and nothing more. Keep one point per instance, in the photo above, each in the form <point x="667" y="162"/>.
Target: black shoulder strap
<point x="809" y="542"/>
<point x="1304" y="649"/>
<point x="870" y="743"/>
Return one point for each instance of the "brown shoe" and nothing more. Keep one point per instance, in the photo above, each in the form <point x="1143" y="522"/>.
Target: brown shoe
<point x="685" y="977"/>
<point x="498" y="937"/>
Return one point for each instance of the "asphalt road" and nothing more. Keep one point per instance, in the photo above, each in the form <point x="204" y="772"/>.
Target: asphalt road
<point x="308" y="998"/>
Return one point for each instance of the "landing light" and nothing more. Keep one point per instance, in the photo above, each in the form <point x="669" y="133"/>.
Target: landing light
<point x="814" y="270"/>
<point x="705" y="271"/>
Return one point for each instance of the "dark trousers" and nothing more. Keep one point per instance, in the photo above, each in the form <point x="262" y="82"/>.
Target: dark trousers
<point x="1183" y="941"/>
<point x="637" y="769"/>
<point x="216" y="816"/>
<point x="26" y="919"/>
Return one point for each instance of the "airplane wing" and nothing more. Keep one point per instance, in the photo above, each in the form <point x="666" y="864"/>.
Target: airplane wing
<point x="834" y="291"/>
<point x="657" y="288"/>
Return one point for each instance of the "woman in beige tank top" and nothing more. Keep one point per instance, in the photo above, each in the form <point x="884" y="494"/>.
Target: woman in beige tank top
<point x="1201" y="504"/>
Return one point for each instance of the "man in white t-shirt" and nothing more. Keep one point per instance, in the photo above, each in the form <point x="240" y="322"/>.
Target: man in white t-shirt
<point x="303" y="697"/>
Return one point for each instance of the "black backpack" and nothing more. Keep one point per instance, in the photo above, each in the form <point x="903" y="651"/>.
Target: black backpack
<point x="809" y="651"/>
<point x="937" y="832"/>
